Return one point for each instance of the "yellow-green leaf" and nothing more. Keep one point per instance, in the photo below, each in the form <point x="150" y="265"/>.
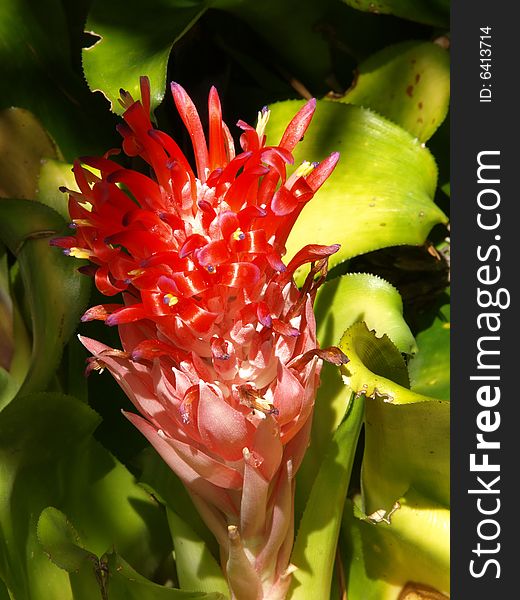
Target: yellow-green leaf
<point x="381" y="192"/>
<point x="409" y="83"/>
<point x="406" y="434"/>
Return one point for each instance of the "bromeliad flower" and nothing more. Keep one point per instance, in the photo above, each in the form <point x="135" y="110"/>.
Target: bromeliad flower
<point x="219" y="345"/>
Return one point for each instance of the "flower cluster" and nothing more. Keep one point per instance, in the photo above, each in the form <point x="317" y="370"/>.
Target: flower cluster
<point x="219" y="353"/>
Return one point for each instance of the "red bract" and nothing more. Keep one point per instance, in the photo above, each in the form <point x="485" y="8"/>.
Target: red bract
<point x="219" y="345"/>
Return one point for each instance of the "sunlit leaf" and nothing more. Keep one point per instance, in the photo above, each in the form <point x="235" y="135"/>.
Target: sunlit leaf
<point x="405" y="477"/>
<point x="196" y="568"/>
<point x="406" y="434"/>
<point x="61" y="541"/>
<point x="409" y="83"/>
<point x="124" y="583"/>
<point x="431" y="12"/>
<point x="343" y="301"/>
<point x="315" y="544"/>
<point x="53" y="175"/>
<point x="380" y="559"/>
<point x="135" y="39"/>
<point x="340" y="303"/>
<point x="379" y="195"/>
<point x="50" y="459"/>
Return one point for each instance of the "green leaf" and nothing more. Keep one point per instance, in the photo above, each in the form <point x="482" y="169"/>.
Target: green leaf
<point x="379" y="195"/>
<point x="408" y="83"/>
<point x="37" y="433"/>
<point x="124" y="583"/>
<point x="63" y="546"/>
<point x="406" y="434"/>
<point x="35" y="43"/>
<point x="315" y="545"/>
<point x="340" y="303"/>
<point x="135" y="39"/>
<point x="196" y="567"/>
<point x="430" y="368"/>
<point x="56" y="292"/>
<point x="431" y="12"/>
<point x="53" y="175"/>
<point x="405" y="477"/>
<point x="355" y="297"/>
<point x="49" y="458"/>
<point x="380" y="559"/>
<point x="61" y="541"/>
<point x="24" y="142"/>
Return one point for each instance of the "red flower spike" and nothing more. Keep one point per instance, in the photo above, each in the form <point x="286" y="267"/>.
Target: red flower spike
<point x="220" y="355"/>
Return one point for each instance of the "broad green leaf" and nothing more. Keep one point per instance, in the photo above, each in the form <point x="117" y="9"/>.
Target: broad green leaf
<point x="196" y="568"/>
<point x="431" y="12"/>
<point x="37" y="433"/>
<point x="124" y="583"/>
<point x="354" y="297"/>
<point x="376" y="368"/>
<point x="135" y="39"/>
<point x="316" y="540"/>
<point x="23" y="144"/>
<point x="430" y="368"/>
<point x="56" y="292"/>
<point x="406" y="445"/>
<point x="61" y="541"/>
<point x="381" y="191"/>
<point x="53" y="175"/>
<point x="35" y="65"/>
<point x="405" y="476"/>
<point x="381" y="559"/>
<point x="50" y="459"/>
<point x="340" y="303"/>
<point x="406" y="434"/>
<point x="408" y="83"/>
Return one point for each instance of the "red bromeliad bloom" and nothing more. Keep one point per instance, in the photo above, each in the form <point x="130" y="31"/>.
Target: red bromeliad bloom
<point x="219" y="345"/>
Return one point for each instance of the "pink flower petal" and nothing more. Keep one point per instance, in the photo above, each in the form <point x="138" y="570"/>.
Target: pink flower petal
<point x="225" y="430"/>
<point x="185" y="472"/>
<point x="288" y="395"/>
